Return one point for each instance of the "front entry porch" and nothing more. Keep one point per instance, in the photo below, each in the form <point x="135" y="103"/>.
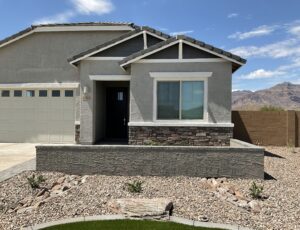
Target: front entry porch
<point x="111" y="112"/>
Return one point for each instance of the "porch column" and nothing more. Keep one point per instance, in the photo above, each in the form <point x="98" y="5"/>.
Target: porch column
<point x="87" y="111"/>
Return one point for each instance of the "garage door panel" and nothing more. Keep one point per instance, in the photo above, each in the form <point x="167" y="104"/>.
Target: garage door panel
<point x="37" y="119"/>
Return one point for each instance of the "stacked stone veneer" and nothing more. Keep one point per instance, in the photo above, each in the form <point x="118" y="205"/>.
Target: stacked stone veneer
<point x="243" y="160"/>
<point x="180" y="136"/>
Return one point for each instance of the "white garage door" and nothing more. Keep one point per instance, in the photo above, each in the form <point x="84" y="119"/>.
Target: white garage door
<point x="37" y="115"/>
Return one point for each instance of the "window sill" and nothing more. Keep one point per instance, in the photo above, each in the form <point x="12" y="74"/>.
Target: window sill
<point x="181" y="123"/>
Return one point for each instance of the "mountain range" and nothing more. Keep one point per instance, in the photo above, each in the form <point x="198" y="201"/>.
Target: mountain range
<point x="285" y="95"/>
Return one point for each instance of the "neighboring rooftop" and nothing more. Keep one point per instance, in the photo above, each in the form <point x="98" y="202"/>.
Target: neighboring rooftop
<point x="43" y="27"/>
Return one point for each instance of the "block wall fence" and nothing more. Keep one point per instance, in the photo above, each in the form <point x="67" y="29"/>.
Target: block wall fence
<point x="278" y="128"/>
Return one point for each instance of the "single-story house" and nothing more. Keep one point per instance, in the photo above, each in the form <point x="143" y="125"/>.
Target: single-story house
<point x="114" y="82"/>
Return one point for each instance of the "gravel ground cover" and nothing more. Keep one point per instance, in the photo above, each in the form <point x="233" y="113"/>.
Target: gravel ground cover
<point x="66" y="196"/>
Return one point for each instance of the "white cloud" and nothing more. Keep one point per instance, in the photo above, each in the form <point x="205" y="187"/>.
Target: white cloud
<point x="59" y="18"/>
<point x="285" y="48"/>
<point x="232" y="15"/>
<point x="256" y="32"/>
<point x="80" y="7"/>
<point x="182" y="32"/>
<point x="261" y="73"/>
<point x="294" y="65"/>
<point x="295" y="30"/>
<point x="93" y="6"/>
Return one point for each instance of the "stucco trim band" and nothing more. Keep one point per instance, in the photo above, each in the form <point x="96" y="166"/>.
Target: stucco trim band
<point x="110" y="77"/>
<point x="40" y="85"/>
<point x="180" y="124"/>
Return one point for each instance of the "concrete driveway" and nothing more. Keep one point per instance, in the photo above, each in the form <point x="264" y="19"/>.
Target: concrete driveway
<point x="12" y="154"/>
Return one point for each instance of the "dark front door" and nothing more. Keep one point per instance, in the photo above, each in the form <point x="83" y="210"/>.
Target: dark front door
<point x="116" y="112"/>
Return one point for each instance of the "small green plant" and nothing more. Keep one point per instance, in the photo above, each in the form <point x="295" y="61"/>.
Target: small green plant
<point x="35" y="182"/>
<point x="135" y="186"/>
<point x="271" y="108"/>
<point x="256" y="190"/>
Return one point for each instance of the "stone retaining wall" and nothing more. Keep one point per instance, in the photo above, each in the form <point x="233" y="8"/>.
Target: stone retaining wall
<point x="243" y="162"/>
<point x="180" y="136"/>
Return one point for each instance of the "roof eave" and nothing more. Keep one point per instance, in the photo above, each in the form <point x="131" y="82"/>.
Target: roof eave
<point x="41" y="28"/>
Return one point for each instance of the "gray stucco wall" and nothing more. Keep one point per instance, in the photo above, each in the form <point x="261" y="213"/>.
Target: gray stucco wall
<point x="42" y="57"/>
<point x="219" y="88"/>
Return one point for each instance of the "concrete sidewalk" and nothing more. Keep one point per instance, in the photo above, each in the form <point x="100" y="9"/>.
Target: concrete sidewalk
<point x="15" y="158"/>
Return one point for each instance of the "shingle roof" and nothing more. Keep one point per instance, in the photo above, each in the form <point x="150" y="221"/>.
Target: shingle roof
<point x="137" y="30"/>
<point x="33" y="27"/>
<point x="215" y="50"/>
<point x="87" y="24"/>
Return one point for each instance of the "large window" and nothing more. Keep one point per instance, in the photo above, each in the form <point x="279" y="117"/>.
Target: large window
<point x="180" y="100"/>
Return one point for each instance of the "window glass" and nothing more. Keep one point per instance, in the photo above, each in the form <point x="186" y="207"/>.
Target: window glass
<point x="30" y="93"/>
<point x="68" y="93"/>
<point x="180" y="100"/>
<point x="55" y="93"/>
<point x="168" y="100"/>
<point x="120" y="96"/>
<point x="192" y="99"/>
<point x="43" y="93"/>
<point x="5" y="93"/>
<point x="17" y="93"/>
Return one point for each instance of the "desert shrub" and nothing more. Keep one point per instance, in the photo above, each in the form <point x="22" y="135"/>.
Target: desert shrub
<point x="135" y="186"/>
<point x="256" y="190"/>
<point x="271" y="108"/>
<point x="35" y="182"/>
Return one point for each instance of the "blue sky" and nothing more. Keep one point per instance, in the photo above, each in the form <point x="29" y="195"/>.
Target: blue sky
<point x="265" y="32"/>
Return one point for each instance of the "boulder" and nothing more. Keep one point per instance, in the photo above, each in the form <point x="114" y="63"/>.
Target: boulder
<point x="255" y="206"/>
<point x="56" y="187"/>
<point x="61" y="180"/>
<point x="244" y="204"/>
<point x="42" y="192"/>
<point x="141" y="207"/>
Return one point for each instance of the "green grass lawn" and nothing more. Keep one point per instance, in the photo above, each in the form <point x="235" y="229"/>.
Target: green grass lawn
<point x="126" y="224"/>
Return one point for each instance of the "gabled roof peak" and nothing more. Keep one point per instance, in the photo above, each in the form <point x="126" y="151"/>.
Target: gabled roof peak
<point x="138" y="29"/>
<point x="202" y="45"/>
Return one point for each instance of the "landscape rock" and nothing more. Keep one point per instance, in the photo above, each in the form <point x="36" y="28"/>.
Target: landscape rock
<point x="61" y="180"/>
<point x="255" y="206"/>
<point x="142" y="207"/>
<point x="83" y="179"/>
<point x="56" y="187"/>
<point x="41" y="192"/>
<point x="244" y="204"/>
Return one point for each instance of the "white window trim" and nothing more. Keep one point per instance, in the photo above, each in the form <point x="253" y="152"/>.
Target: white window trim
<point x="182" y="124"/>
<point x="180" y="76"/>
